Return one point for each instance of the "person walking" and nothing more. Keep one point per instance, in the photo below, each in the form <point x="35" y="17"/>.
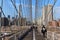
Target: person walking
<point x="43" y="31"/>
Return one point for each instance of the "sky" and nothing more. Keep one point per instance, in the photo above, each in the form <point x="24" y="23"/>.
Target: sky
<point x="9" y="9"/>
<point x="57" y="10"/>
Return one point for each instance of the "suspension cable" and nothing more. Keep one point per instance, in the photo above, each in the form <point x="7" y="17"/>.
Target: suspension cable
<point x="2" y="3"/>
<point x="14" y="6"/>
<point x="2" y="7"/>
<point x="24" y="11"/>
<point x="35" y="11"/>
<point x="52" y="7"/>
<point x="47" y="2"/>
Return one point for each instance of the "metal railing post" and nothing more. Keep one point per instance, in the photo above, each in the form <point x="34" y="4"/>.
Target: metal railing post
<point x="0" y="25"/>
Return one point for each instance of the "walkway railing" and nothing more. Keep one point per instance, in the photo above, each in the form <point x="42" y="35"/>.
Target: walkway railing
<point x="27" y="32"/>
<point x="20" y="35"/>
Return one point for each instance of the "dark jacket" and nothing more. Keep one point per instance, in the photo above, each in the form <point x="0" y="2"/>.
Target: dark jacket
<point x="43" y="29"/>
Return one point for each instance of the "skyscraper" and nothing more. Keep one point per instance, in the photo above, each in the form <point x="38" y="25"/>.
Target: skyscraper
<point x="47" y="14"/>
<point x="50" y="12"/>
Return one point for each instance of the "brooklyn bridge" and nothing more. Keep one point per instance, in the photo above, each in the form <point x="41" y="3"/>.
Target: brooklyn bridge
<point x="29" y="20"/>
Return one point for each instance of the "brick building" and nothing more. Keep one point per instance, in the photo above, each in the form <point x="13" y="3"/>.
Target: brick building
<point x="54" y="23"/>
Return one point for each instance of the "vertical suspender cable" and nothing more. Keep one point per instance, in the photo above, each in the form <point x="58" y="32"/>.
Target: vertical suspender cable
<point x="44" y="12"/>
<point x="35" y="11"/>
<point x="15" y="9"/>
<point x="14" y="14"/>
<point x="1" y="13"/>
<point x="2" y="7"/>
<point x="25" y="12"/>
<point x="1" y="3"/>
<point x="30" y="3"/>
<point x="52" y="7"/>
<point x="14" y="6"/>
<point x="19" y="14"/>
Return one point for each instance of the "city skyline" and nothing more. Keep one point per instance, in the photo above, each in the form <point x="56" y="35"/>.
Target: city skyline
<point x="9" y="11"/>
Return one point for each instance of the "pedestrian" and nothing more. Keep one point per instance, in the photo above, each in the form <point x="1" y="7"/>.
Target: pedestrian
<point x="43" y="31"/>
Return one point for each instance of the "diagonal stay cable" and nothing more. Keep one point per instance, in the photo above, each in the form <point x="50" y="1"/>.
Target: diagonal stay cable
<point x="52" y="7"/>
<point x="3" y="13"/>
<point x="1" y="3"/>
<point x="14" y="6"/>
<point x="2" y="7"/>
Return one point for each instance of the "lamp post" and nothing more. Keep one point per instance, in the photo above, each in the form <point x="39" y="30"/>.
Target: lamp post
<point x="0" y="19"/>
<point x="0" y="11"/>
<point x="9" y="19"/>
